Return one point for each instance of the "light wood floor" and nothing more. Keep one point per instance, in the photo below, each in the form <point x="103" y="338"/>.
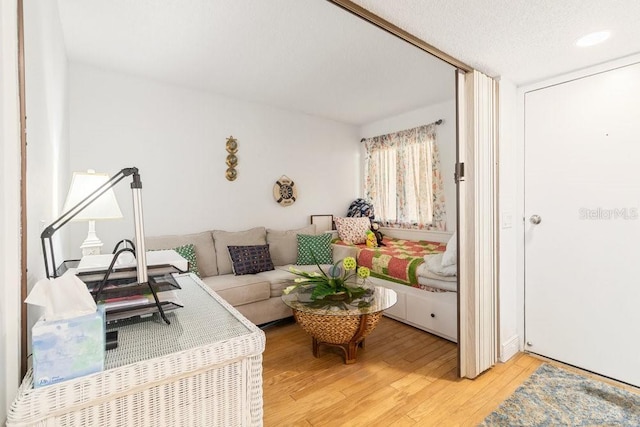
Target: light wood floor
<point x="403" y="377"/>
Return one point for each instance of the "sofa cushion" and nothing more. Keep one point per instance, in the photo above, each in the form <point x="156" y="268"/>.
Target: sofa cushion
<point x="224" y="239"/>
<point x="202" y="242"/>
<point x="283" y="244"/>
<point x="278" y="279"/>
<point x="314" y="249"/>
<point x="266" y="311"/>
<point x="250" y="259"/>
<point x="340" y="252"/>
<point x="281" y="277"/>
<point x="239" y="290"/>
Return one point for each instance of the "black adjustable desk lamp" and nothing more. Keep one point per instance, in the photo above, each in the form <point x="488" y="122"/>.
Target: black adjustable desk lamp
<point x="139" y="247"/>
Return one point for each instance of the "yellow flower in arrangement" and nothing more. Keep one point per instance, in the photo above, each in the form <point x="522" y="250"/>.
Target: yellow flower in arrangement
<point x="344" y="278"/>
<point x="349" y="263"/>
<point x="364" y="272"/>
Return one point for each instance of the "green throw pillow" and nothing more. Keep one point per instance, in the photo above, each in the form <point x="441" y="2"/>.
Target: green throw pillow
<point x="188" y="252"/>
<point x="318" y="246"/>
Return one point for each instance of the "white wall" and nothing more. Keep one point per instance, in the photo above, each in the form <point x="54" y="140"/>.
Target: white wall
<point x="47" y="126"/>
<point x="176" y="137"/>
<point x="47" y="133"/>
<point x="446" y="137"/>
<point x="510" y="226"/>
<point x="10" y="211"/>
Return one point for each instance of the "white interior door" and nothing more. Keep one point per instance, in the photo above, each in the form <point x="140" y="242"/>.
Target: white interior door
<point x="582" y="260"/>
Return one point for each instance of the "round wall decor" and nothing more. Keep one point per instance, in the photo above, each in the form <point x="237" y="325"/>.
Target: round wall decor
<point x="232" y="145"/>
<point x="284" y="191"/>
<point x="232" y="160"/>
<point x="231" y="174"/>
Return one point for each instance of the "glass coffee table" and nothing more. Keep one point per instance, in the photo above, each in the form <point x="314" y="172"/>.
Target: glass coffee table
<point x="342" y="324"/>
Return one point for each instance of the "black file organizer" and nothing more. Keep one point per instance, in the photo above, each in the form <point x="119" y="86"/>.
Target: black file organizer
<point x="120" y="283"/>
<point x="122" y="286"/>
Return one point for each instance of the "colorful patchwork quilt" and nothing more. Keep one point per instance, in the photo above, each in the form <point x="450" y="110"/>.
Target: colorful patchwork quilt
<point x="398" y="261"/>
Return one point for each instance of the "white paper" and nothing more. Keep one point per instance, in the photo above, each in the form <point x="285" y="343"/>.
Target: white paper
<point x="92" y="263"/>
<point x="62" y="298"/>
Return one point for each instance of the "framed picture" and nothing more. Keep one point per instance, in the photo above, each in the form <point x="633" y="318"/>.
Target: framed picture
<point x="323" y="223"/>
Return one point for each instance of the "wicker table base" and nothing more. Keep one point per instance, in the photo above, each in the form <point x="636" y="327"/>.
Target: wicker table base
<point x="345" y="332"/>
<point x="204" y="369"/>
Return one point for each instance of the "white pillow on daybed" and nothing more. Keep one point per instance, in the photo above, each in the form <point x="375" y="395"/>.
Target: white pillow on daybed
<point x="434" y="265"/>
<point x="450" y="255"/>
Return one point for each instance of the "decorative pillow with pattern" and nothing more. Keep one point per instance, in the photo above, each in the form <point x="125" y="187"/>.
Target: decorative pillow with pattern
<point x="188" y="252"/>
<point x="353" y="230"/>
<point x="314" y="249"/>
<point x="250" y="259"/>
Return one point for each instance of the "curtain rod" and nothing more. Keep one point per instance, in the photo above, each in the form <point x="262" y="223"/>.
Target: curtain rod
<point x="437" y="122"/>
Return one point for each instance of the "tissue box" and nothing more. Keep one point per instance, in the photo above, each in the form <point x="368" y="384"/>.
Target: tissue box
<point x="69" y="348"/>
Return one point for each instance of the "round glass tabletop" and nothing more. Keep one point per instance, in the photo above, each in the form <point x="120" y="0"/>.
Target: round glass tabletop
<point x="380" y="298"/>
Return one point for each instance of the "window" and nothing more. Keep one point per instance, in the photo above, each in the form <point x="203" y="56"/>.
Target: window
<point x="402" y="179"/>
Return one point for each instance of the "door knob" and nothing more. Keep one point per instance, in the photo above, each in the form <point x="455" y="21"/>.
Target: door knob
<point x="535" y="219"/>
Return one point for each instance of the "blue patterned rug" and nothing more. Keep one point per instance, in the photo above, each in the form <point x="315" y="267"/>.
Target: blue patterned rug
<point x="555" y="397"/>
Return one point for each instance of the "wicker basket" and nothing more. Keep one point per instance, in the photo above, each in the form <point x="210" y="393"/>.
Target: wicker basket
<point x="335" y="329"/>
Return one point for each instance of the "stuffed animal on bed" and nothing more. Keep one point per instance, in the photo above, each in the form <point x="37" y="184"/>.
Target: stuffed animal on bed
<point x="372" y="242"/>
<point x="375" y="228"/>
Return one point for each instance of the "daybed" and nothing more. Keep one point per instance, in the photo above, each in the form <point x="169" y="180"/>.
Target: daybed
<point x="404" y="261"/>
<point x="427" y="290"/>
<point x="256" y="296"/>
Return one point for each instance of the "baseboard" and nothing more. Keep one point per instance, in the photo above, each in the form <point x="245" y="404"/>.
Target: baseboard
<point x="510" y="348"/>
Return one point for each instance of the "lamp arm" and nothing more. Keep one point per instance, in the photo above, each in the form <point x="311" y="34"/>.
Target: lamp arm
<point x="51" y="229"/>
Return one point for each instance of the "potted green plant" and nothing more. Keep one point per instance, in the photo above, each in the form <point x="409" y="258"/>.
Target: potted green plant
<point x="343" y="281"/>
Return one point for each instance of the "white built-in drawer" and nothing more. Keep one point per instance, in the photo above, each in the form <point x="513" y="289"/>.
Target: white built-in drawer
<point x="399" y="309"/>
<point x="436" y="312"/>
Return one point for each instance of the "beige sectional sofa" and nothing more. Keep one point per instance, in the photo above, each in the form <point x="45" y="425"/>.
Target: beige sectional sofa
<point x="256" y="296"/>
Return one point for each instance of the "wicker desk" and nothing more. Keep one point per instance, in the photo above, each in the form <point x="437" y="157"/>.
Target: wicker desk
<point x="204" y="369"/>
<point x="340" y="324"/>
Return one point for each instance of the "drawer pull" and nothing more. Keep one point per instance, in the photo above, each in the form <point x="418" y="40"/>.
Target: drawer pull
<point x="433" y="315"/>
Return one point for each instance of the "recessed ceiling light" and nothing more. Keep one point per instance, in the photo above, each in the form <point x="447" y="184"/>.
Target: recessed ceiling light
<point x="593" y="38"/>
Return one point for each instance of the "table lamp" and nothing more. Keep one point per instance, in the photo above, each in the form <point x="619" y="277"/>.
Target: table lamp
<point x="94" y="195"/>
<point x="104" y="207"/>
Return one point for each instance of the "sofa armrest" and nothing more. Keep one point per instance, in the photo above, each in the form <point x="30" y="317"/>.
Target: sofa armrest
<point x="341" y="252"/>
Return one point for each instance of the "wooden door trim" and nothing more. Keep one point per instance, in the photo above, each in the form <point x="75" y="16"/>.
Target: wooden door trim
<point x="399" y="32"/>
<point x="23" y="192"/>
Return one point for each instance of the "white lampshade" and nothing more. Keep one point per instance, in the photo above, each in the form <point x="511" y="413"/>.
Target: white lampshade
<point x="104" y="207"/>
<point x="83" y="184"/>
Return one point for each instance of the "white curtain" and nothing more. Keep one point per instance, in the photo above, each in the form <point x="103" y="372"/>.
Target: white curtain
<point x="403" y="180"/>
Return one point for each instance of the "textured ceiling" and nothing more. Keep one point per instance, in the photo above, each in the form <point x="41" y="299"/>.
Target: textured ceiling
<point x="522" y="40"/>
<point x="303" y="55"/>
<point x="311" y="56"/>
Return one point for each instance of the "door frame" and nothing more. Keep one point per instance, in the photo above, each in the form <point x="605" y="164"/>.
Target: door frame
<point x="478" y="279"/>
<point x="478" y="230"/>
<point x="10" y="245"/>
